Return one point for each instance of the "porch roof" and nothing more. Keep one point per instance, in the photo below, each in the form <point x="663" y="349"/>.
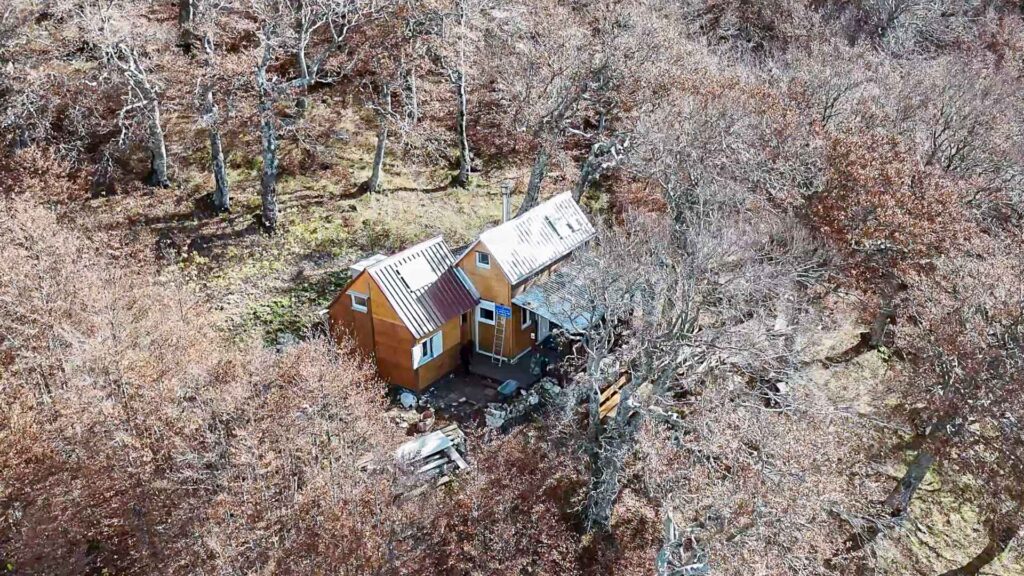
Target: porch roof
<point x="561" y="298"/>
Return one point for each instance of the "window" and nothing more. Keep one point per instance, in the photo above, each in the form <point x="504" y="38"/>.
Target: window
<point x="417" y="274"/>
<point x="359" y="301"/>
<point x="483" y="260"/>
<point x="426" y="350"/>
<point x="465" y="317"/>
<point x="526" y="316"/>
<point x="485" y="312"/>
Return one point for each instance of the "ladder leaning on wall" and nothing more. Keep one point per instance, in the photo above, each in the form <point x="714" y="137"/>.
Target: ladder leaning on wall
<point x="499" y="341"/>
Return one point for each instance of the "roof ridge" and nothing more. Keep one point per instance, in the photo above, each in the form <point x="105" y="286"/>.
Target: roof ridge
<point x="524" y="214"/>
<point x="418" y="246"/>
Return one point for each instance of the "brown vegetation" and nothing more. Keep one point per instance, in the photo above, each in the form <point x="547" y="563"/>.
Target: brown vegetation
<point x="761" y="173"/>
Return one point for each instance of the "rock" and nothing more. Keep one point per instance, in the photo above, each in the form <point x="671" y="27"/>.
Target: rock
<point x="494" y="418"/>
<point x="285" y="340"/>
<point x="408" y="400"/>
<point x="461" y="400"/>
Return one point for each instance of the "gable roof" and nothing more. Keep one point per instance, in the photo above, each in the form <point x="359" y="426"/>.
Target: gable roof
<point x="529" y="242"/>
<point x="424" y="305"/>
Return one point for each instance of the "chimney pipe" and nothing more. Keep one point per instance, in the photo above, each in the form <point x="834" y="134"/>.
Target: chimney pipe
<point x="506" y="201"/>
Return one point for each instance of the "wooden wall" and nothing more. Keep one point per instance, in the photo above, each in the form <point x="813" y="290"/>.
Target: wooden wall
<point x="492" y="285"/>
<point x="519" y="338"/>
<point x="358" y="325"/>
<point x="393" y="342"/>
<point x="429" y="373"/>
<point x="381" y="334"/>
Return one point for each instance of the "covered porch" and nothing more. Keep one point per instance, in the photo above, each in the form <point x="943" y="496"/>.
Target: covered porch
<point x="520" y="370"/>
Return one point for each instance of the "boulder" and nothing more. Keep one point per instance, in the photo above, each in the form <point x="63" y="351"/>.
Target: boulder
<point x="408" y="400"/>
<point x="494" y="417"/>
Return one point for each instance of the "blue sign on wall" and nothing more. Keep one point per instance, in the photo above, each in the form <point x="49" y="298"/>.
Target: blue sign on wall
<point x="503" y="311"/>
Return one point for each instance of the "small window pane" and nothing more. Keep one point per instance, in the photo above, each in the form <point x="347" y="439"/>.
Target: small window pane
<point x="359" y="303"/>
<point x="483" y="259"/>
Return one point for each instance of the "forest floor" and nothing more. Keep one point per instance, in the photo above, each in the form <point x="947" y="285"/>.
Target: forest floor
<point x="942" y="531"/>
<point x="272" y="286"/>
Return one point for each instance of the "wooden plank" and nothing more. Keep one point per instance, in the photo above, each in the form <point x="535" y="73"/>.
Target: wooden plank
<point x="456" y="457"/>
<point x="423" y="447"/>
<point x="433" y="463"/>
<point x="609" y="406"/>
<point x="616" y="386"/>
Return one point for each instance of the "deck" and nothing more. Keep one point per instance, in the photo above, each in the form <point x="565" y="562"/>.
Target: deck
<point x="520" y="371"/>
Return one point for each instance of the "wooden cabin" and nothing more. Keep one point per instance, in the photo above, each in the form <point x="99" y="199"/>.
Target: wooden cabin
<point x="513" y="268"/>
<point x="408" y="312"/>
<point x="413" y="311"/>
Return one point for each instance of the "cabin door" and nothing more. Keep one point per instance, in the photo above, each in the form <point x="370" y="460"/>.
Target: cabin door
<point x="543" y="328"/>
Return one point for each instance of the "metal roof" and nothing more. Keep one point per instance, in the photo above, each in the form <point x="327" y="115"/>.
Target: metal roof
<point x="526" y="244"/>
<point x="365" y="263"/>
<point x="424" y="309"/>
<point x="563" y="299"/>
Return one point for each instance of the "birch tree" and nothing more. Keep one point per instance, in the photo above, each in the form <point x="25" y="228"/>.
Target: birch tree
<point x="142" y="94"/>
<point x="210" y="117"/>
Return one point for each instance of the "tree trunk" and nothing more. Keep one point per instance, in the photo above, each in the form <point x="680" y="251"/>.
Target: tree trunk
<point x="462" y="178"/>
<point x="186" y="15"/>
<point x="373" y="184"/>
<point x="268" y="138"/>
<point x="588" y="171"/>
<point x="221" y="198"/>
<point x="883" y="318"/>
<point x="302" y="101"/>
<point x="537" y="173"/>
<point x="999" y="541"/>
<point x="898" y="501"/>
<point x="157" y="148"/>
<point x="300" y="62"/>
<point x="414" y="103"/>
<point x="268" y="179"/>
<point x="874" y="338"/>
<point x="125" y="59"/>
<point x="612" y="443"/>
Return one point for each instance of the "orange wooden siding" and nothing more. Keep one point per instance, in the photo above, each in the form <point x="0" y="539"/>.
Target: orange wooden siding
<point x="448" y="360"/>
<point x="358" y="325"/>
<point x="492" y="285"/>
<point x="393" y="342"/>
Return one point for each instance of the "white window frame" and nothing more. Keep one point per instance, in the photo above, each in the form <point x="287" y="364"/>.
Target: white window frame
<point x="480" y="264"/>
<point x="526" y="317"/>
<point x="427" y="349"/>
<point x="360" y="307"/>
<point x="486" y="305"/>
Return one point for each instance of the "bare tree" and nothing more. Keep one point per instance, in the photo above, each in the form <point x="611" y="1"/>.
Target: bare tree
<point x="142" y="94"/>
<point x="456" y="68"/>
<point x="672" y="300"/>
<point x="385" y="114"/>
<point x="210" y="116"/>
<point x="268" y="132"/>
<point x="186" y="21"/>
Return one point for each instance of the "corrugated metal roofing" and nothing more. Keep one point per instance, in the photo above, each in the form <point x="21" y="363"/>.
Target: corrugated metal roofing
<point x="365" y="263"/>
<point x="542" y="235"/>
<point x="562" y="299"/>
<point x="424" y="310"/>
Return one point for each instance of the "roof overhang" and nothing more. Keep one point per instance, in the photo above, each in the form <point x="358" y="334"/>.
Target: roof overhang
<point x="561" y="300"/>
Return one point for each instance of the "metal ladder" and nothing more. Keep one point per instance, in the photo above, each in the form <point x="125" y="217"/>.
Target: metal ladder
<point x="499" y="341"/>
